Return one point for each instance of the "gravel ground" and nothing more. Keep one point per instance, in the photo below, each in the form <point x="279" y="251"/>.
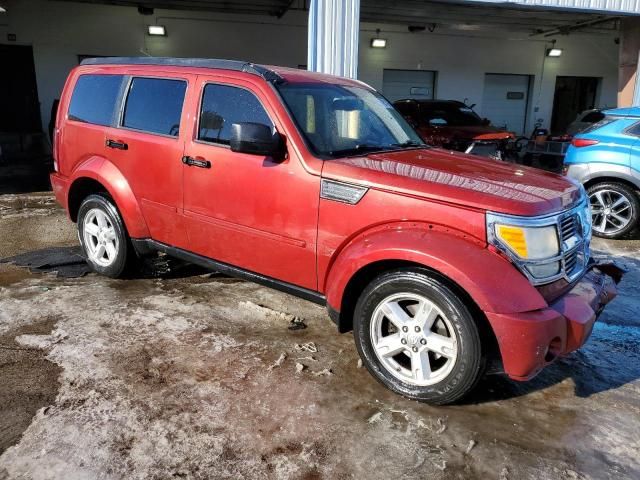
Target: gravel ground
<point x="196" y="375"/>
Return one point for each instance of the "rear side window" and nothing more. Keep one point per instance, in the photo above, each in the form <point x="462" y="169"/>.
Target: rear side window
<point x="94" y="99"/>
<point x="154" y="105"/>
<point x="222" y="106"/>
<point x="593" y="117"/>
<point x="605" y="121"/>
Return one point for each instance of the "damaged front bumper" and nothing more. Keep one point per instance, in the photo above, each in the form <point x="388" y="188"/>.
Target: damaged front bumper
<point x="529" y="341"/>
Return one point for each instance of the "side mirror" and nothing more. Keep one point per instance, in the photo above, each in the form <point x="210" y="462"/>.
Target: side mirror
<point x="486" y="122"/>
<point x="256" y="139"/>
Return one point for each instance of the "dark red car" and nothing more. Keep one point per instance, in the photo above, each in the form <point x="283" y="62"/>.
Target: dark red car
<point x="442" y="264"/>
<point x="451" y="124"/>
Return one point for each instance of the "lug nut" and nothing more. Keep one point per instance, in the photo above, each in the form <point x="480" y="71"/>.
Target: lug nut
<point x="405" y="329"/>
<point x="423" y="341"/>
<point x="417" y="328"/>
<point x="415" y="349"/>
<point x="403" y="341"/>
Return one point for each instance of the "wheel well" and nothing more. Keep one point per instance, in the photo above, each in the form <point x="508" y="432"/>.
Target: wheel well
<point x="81" y="189"/>
<point x="365" y="275"/>
<point x="594" y="181"/>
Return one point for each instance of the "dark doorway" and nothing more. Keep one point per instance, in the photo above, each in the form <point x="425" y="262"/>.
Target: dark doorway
<point x="19" y="104"/>
<point x="573" y="95"/>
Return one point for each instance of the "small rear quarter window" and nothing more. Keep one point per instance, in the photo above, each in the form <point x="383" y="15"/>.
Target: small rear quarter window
<point x="94" y="99"/>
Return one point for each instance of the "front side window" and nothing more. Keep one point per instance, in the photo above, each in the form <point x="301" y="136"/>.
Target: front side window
<point x="154" y="105"/>
<point x="222" y="106"/>
<point x="342" y="120"/>
<point x="94" y="99"/>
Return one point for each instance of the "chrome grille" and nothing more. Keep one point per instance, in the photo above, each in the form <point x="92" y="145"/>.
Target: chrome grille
<point x="570" y="262"/>
<point x="573" y="244"/>
<point x="568" y="227"/>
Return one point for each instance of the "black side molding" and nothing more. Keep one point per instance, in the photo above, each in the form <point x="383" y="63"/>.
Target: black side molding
<point x="146" y="246"/>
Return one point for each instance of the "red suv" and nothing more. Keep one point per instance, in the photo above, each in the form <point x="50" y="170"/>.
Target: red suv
<point x="442" y="264"/>
<point x="454" y="125"/>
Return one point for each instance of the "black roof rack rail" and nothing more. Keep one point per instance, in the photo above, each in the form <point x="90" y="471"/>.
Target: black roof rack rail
<point x="236" y="65"/>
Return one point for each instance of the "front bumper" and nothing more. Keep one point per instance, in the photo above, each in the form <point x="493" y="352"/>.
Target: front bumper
<point x="529" y="341"/>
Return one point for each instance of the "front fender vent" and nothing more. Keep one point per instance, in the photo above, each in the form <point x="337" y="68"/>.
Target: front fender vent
<point x="341" y="192"/>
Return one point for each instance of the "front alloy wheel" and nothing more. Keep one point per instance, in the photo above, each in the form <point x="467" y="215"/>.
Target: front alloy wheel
<point x="417" y="337"/>
<point x="414" y="339"/>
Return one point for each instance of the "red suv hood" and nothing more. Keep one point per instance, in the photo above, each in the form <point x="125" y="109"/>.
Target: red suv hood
<point x="458" y="178"/>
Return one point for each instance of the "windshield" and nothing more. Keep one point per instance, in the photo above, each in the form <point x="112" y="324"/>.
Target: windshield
<point x="449" y="114"/>
<point x="342" y="120"/>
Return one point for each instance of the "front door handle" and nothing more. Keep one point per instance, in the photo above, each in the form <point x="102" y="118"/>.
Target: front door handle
<point x="196" y="162"/>
<point x="119" y="145"/>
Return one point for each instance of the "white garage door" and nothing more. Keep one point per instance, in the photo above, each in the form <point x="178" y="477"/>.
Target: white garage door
<point x="504" y="101"/>
<point x="399" y="84"/>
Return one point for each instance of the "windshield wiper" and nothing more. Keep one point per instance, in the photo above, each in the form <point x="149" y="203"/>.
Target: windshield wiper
<point x="358" y="150"/>
<point x="409" y="143"/>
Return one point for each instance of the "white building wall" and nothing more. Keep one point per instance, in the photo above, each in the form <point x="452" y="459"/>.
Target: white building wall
<point x="60" y="31"/>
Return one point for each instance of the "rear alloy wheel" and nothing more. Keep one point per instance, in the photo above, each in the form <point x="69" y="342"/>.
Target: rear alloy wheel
<point x="614" y="209"/>
<point x="417" y="337"/>
<point x="103" y="236"/>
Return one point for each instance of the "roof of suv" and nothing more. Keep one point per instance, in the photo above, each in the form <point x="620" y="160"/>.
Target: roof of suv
<point x="269" y="73"/>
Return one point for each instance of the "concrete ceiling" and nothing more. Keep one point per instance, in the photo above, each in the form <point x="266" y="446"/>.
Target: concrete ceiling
<point x="431" y="14"/>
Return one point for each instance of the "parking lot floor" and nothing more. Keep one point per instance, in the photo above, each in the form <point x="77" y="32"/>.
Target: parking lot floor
<point x="196" y="375"/>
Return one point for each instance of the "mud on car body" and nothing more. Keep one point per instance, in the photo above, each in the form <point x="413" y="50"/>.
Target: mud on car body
<point x="440" y="263"/>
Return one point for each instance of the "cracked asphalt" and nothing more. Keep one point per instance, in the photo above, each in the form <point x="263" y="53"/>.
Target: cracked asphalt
<point x="195" y="375"/>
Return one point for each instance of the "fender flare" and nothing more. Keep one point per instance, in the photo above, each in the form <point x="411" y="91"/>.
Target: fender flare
<point x="491" y="281"/>
<point x="112" y="179"/>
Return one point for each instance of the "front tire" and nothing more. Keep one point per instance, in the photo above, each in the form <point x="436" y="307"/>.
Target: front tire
<point x="615" y="209"/>
<point x="103" y="236"/>
<point x="417" y="337"/>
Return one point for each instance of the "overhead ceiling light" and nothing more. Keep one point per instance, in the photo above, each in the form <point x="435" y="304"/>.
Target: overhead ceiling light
<point x="158" y="30"/>
<point x="554" y="52"/>
<point x="378" y="43"/>
<point x="3" y="10"/>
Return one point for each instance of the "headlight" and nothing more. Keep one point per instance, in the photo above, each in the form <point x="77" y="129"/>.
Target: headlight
<point x="532" y="244"/>
<point x="529" y="243"/>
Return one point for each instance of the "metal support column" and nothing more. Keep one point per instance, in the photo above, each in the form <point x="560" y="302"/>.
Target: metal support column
<point x="333" y="37"/>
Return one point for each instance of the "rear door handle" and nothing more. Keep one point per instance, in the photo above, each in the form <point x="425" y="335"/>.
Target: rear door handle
<point x="119" y="145"/>
<point x="196" y="162"/>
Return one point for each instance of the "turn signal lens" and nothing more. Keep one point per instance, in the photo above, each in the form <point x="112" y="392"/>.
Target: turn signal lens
<point x="514" y="238"/>
<point x="530" y="243"/>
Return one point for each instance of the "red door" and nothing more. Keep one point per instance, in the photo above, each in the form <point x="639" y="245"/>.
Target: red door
<point x="147" y="148"/>
<point x="247" y="210"/>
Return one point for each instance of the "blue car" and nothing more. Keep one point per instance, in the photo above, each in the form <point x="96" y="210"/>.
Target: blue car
<point x="605" y="158"/>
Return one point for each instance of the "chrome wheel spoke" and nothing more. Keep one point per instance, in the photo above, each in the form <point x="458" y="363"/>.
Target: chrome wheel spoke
<point x="395" y="313"/>
<point x="426" y="314"/>
<point x="92" y="229"/>
<point x="111" y="252"/>
<point x="420" y="365"/>
<point x="445" y="346"/>
<point x="390" y="345"/>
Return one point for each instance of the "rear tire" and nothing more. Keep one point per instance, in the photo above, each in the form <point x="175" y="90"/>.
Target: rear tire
<point x="417" y="337"/>
<point x="103" y="236"/>
<point x="615" y="209"/>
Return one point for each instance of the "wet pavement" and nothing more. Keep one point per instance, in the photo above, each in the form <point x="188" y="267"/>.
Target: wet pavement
<point x="196" y="376"/>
